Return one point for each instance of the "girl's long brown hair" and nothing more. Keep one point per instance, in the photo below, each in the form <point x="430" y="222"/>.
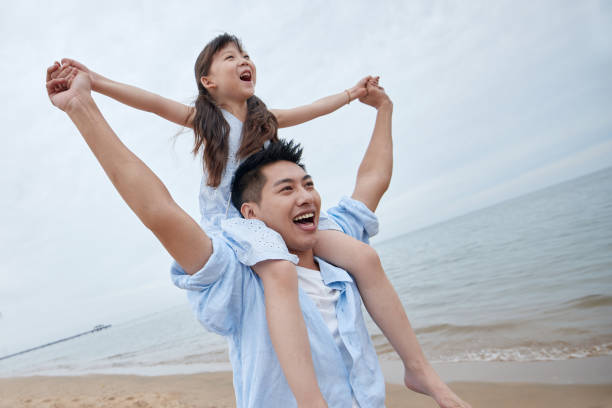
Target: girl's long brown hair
<point x="211" y="130"/>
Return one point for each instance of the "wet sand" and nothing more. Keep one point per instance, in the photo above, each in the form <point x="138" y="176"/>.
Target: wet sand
<point x="563" y="389"/>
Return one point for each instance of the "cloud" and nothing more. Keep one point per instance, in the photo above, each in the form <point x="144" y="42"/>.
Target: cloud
<point x="490" y="101"/>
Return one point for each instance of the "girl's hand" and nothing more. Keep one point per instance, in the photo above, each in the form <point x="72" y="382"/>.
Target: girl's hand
<point x="434" y="387"/>
<point x="376" y="95"/>
<point x="69" y="88"/>
<point x="70" y="63"/>
<point x="359" y="90"/>
<point x="58" y="70"/>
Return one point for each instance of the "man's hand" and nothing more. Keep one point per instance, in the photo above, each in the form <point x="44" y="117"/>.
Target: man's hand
<point x="376" y="95"/>
<point x="68" y="86"/>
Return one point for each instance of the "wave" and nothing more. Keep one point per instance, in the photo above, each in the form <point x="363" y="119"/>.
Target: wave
<point x="447" y="328"/>
<point x="590" y="302"/>
<point x="527" y="351"/>
<point x="522" y="354"/>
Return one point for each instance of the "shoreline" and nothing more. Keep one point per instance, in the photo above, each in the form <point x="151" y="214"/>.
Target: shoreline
<point x="580" y="371"/>
<point x="570" y="383"/>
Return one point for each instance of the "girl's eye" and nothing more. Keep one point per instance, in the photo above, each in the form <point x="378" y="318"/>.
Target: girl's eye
<point x="246" y="56"/>
<point x="229" y="57"/>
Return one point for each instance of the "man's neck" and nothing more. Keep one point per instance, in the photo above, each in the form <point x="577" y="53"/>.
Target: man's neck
<point x="306" y="259"/>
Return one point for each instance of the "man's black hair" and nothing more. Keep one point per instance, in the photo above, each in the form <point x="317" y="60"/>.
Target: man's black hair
<point x="249" y="180"/>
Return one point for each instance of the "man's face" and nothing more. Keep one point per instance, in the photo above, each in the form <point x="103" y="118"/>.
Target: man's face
<point x="289" y="204"/>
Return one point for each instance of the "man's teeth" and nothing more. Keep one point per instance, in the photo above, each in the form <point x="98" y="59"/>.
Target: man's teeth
<point x="303" y="216"/>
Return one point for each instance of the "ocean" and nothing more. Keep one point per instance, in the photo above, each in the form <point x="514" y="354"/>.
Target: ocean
<point x="529" y="279"/>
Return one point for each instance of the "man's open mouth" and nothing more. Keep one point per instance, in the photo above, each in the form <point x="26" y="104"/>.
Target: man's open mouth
<point x="307" y="218"/>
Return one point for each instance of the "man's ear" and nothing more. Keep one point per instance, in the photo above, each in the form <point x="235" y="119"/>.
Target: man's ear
<point x="207" y="83"/>
<point x="249" y="210"/>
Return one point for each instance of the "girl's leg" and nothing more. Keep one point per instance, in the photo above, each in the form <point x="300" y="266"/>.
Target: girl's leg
<point x="288" y="330"/>
<point x="379" y="297"/>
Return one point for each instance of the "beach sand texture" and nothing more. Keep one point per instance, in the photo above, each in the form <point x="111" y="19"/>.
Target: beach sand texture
<point x="215" y="390"/>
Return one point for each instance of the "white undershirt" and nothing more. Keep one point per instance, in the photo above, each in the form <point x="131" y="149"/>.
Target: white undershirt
<point x="325" y="299"/>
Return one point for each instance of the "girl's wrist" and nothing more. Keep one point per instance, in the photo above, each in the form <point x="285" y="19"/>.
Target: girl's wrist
<point x="349" y="95"/>
<point x="96" y="79"/>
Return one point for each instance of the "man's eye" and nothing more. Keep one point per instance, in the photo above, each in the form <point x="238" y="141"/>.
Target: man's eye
<point x="286" y="188"/>
<point x="309" y="184"/>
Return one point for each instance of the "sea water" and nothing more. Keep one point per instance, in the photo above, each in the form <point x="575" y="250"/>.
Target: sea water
<point x="525" y="280"/>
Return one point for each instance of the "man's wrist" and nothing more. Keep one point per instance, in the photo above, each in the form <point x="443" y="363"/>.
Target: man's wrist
<point x="79" y="103"/>
<point x="386" y="105"/>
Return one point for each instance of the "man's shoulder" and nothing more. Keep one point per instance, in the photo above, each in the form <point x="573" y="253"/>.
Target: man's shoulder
<point x="221" y="261"/>
<point x="354" y="218"/>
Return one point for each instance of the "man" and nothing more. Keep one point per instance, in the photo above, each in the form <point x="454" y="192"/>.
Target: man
<point x="228" y="297"/>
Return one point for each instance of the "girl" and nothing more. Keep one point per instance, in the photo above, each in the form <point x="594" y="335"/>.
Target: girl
<point x="229" y="124"/>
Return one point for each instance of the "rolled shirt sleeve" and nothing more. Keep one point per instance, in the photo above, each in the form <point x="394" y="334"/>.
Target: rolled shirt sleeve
<point x="215" y="291"/>
<point x="355" y="219"/>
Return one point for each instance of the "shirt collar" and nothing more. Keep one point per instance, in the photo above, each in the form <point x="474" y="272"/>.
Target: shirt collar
<point x="332" y="274"/>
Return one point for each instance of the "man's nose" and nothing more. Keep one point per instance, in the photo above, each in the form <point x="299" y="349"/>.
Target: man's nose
<point x="304" y="196"/>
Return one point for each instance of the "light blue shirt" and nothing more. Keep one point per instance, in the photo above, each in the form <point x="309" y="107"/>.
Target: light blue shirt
<point x="228" y="298"/>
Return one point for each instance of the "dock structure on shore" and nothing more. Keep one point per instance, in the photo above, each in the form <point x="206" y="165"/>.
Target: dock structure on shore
<point x="94" y="330"/>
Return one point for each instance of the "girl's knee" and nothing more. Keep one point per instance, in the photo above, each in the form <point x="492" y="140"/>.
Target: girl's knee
<point x="279" y="272"/>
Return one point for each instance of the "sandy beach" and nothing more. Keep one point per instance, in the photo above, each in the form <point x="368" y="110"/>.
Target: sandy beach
<point x="215" y="389"/>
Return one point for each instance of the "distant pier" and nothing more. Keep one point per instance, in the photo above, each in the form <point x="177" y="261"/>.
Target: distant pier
<point x="94" y="330"/>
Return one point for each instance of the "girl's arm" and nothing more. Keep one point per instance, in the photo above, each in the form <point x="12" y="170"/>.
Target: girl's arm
<point x="301" y="114"/>
<point x="139" y="187"/>
<point x="137" y="98"/>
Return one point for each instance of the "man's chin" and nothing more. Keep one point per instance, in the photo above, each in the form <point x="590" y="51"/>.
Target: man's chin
<point x="301" y="245"/>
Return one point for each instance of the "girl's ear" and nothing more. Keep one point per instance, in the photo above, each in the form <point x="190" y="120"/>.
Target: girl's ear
<point x="207" y="83"/>
<point x="248" y="210"/>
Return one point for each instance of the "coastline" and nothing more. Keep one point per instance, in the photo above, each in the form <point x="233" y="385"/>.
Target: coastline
<point x="569" y="383"/>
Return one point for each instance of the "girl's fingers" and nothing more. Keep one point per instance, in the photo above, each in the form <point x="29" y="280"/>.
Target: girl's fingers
<point x="52" y="69"/>
<point x="65" y="72"/>
<point x="55" y="85"/>
<point x="70" y="62"/>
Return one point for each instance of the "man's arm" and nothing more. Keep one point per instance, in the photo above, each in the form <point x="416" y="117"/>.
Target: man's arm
<point x="141" y="189"/>
<point x="381" y="300"/>
<point x="374" y="174"/>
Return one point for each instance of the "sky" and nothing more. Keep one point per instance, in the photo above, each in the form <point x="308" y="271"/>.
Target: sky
<point x="492" y="100"/>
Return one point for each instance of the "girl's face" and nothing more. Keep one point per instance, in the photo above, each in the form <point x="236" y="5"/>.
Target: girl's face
<point x="231" y="75"/>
